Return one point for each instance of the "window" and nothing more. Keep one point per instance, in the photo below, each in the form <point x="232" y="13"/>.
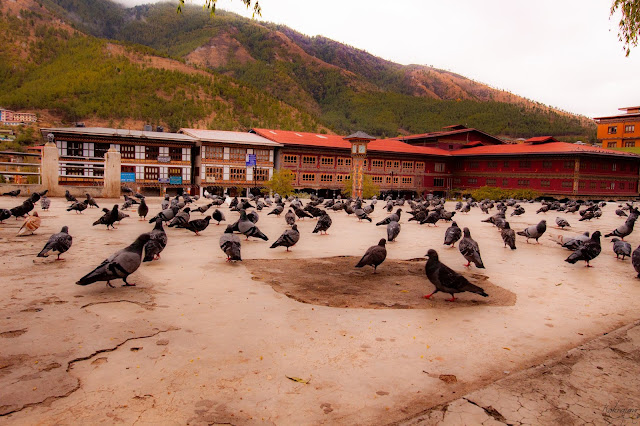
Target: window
<point x="545" y="183"/>
<point x="407" y="165"/>
<point x="75" y="171"/>
<point x="439" y="167"/>
<point x="237" y="154"/>
<point x="347" y="162"/>
<point x="308" y="177"/>
<point x="74" y="149"/>
<point x="214" y="152"/>
<point x="612" y="144"/>
<point x="582" y="185"/>
<point x="629" y="144"/>
<point x="505" y="164"/>
<point x="341" y="178"/>
<point x="630" y="128"/>
<point x="523" y="182"/>
<point x="593" y="166"/>
<point x="290" y="159"/>
<point x="175" y="154"/>
<point x="524" y="164"/>
<point x="175" y="171"/>
<point x="439" y="182"/>
<point x="612" y="130"/>
<point x="128" y="152"/>
<point x="604" y="185"/>
<point x="391" y="179"/>
<point x="151" y="173"/>
<point x="547" y="164"/>
<point x="592" y="185"/>
<point x="128" y="169"/>
<point x="407" y="180"/>
<point x="419" y="166"/>
<point x="99" y="150"/>
<point x="472" y="181"/>
<point x="376" y="179"/>
<point x="473" y="164"/>
<point x="491" y="182"/>
<point x="237" y="173"/>
<point x="605" y="166"/>
<point x="614" y="166"/>
<point x="492" y="164"/>
<point x="621" y="185"/>
<point x="326" y="178"/>
<point x="262" y="155"/>
<point x="569" y="164"/>
<point x="389" y="164"/>
<point x="308" y="159"/>
<point x="342" y="162"/>
<point x="261" y="175"/>
<point x="567" y="184"/>
<point x="327" y="161"/>
<point x="377" y="164"/>
<point x="213" y="174"/>
<point x="505" y="182"/>
<point x="457" y="181"/>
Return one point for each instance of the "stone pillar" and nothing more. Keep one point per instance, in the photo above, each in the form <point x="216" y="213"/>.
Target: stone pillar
<point x="50" y="169"/>
<point x="576" y="176"/>
<point x="112" y="171"/>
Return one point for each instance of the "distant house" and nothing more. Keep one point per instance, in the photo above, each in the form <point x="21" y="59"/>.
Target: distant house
<point x="13" y="118"/>
<point x="621" y="130"/>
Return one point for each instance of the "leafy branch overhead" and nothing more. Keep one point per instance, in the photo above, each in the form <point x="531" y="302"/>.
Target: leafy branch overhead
<point x="211" y="5"/>
<point x="629" y="23"/>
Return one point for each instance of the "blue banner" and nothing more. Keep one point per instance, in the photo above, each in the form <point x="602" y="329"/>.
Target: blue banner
<point x="251" y="160"/>
<point x="175" y="180"/>
<point x="163" y="180"/>
<point x="127" y="177"/>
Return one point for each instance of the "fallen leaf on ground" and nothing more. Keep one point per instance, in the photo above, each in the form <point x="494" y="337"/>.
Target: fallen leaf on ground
<point x="298" y="379"/>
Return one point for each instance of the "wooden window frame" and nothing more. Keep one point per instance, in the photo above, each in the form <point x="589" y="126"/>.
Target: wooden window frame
<point x="151" y="173"/>
<point x="128" y="152"/>
<point x="306" y="160"/>
<point x="290" y="159"/>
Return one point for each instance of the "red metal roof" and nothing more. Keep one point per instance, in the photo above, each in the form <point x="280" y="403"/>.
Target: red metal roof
<point x="541" y="139"/>
<point x="286" y="137"/>
<point x="447" y="133"/>
<point x="546" y="148"/>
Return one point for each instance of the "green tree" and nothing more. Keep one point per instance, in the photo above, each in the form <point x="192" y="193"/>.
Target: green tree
<point x="211" y="5"/>
<point x="281" y="182"/>
<point x="369" y="189"/>
<point x="629" y="23"/>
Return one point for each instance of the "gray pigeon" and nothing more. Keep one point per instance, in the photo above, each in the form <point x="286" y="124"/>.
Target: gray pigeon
<point x="4" y="214"/>
<point x="253" y="216"/>
<point x="289" y="238"/>
<point x="374" y="256"/>
<point x="181" y="219"/>
<point x="248" y="228"/>
<point x="635" y="260"/>
<point x="393" y="229"/>
<point x="290" y="217"/>
<point x="508" y="236"/>
<point x="623" y="230"/>
<point x="143" y="210"/>
<point x="165" y="203"/>
<point x="393" y="218"/>
<point x="277" y="210"/>
<point x="361" y="214"/>
<point x="121" y="264"/>
<point x="621" y="213"/>
<point x="166" y="215"/>
<point x="230" y="244"/>
<point x="452" y="235"/>
<point x="534" y="231"/>
<point x="323" y="224"/>
<point x="562" y="223"/>
<point x="470" y="250"/>
<point x="45" y="203"/>
<point x="60" y="242"/>
<point x="446" y="279"/>
<point x="588" y="251"/>
<point x="621" y="248"/>
<point x="218" y="216"/>
<point x="157" y="242"/>
<point x="572" y="243"/>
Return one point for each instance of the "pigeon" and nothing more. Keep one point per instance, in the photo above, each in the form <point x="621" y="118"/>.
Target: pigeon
<point x="623" y="230"/>
<point x="121" y="264"/>
<point x="131" y="200"/>
<point x="301" y="213"/>
<point x="198" y="225"/>
<point x="508" y="236"/>
<point x="374" y="256"/>
<point x="13" y="193"/>
<point x="621" y="248"/>
<point x="203" y="209"/>
<point x="635" y="260"/>
<point x="166" y="215"/>
<point x="323" y="224"/>
<point x="139" y="196"/>
<point x="361" y="214"/>
<point x="562" y="223"/>
<point x="277" y="210"/>
<point x="143" y="210"/>
<point x="22" y="210"/>
<point x="470" y="250"/>
<point x="60" y="242"/>
<point x="534" y="231"/>
<point x="574" y="242"/>
<point x="4" y="214"/>
<point x="180" y="219"/>
<point x="230" y="244"/>
<point x="289" y="238"/>
<point x="126" y="204"/>
<point x="393" y="229"/>
<point x="91" y="202"/>
<point x="31" y="224"/>
<point x="109" y="218"/>
<point x="78" y="207"/>
<point x="253" y="216"/>
<point x="290" y="217"/>
<point x="589" y="250"/>
<point x="543" y="209"/>
<point x="218" y="216"/>
<point x="157" y="242"/>
<point x="165" y="203"/>
<point x="432" y="218"/>
<point x="393" y="218"/>
<point x="452" y="235"/>
<point x="446" y="279"/>
<point x="70" y="198"/>
<point x="248" y="228"/>
<point x="45" y="203"/>
<point x="621" y="213"/>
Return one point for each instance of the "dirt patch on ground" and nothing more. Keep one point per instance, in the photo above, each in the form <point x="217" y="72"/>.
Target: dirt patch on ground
<point x="399" y="284"/>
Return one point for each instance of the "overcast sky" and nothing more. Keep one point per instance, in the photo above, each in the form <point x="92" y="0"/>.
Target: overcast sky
<point x="562" y="53"/>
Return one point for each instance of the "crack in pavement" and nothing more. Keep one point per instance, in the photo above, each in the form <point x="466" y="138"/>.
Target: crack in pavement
<point x="490" y="411"/>
<point x="84" y="358"/>
<point x="141" y="304"/>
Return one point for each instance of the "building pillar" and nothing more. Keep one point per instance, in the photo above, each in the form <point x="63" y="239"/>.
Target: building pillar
<point x="50" y="169"/>
<point x="576" y="176"/>
<point x="112" y="174"/>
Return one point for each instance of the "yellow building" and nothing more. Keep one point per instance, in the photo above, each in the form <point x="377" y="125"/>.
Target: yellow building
<point x="620" y="131"/>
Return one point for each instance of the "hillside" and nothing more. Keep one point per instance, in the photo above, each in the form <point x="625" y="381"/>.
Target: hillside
<point x="319" y="82"/>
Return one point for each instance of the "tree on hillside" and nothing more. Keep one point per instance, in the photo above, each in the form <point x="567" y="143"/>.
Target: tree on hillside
<point x="281" y="182"/>
<point x="211" y="5"/>
<point x="629" y="23"/>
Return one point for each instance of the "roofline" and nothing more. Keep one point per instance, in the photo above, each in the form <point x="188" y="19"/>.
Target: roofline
<point x="634" y="114"/>
<point x="270" y="143"/>
<point x="142" y="134"/>
<point x="444" y="133"/>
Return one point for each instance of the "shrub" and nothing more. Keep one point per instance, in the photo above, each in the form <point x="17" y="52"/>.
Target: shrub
<point x="281" y="182"/>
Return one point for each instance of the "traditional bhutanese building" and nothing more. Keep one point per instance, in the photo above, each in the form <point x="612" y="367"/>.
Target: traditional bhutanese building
<point x="621" y="130"/>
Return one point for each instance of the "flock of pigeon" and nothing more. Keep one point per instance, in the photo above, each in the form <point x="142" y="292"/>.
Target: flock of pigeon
<point x="176" y="213"/>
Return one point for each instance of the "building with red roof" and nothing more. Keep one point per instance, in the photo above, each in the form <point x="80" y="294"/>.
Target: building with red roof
<point x="620" y="130"/>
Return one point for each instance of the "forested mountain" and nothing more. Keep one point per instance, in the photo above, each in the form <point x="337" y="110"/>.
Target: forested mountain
<point x="229" y="72"/>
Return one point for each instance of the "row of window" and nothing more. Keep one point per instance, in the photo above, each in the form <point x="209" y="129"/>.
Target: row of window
<point x="311" y="160"/>
<point x="626" y="144"/>
<point x="235" y="154"/>
<point x="544" y="183"/>
<point x="214" y="174"/>
<point x="629" y="128"/>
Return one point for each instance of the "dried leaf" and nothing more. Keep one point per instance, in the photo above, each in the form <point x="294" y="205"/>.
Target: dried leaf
<point x="298" y="379"/>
